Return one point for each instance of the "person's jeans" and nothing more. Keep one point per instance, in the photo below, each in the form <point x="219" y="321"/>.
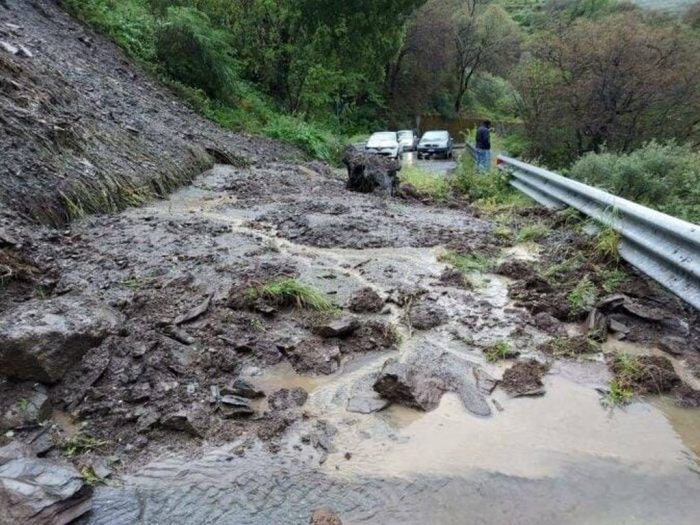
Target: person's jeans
<point x="483" y="159"/>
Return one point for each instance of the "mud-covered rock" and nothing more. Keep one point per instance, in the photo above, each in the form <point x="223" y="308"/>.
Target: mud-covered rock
<point x="515" y="269"/>
<point x="232" y="406"/>
<point x="363" y="399"/>
<point x="243" y="388"/>
<point x="182" y="421"/>
<point x="365" y="300"/>
<point x="453" y="277"/>
<point x="426" y="315"/>
<point x="597" y="325"/>
<point x="548" y="323"/>
<point x="23" y="405"/>
<point x="41" y="339"/>
<point x="368" y="173"/>
<point x="342" y="327"/>
<point x="315" y="355"/>
<point x="673" y="345"/>
<point x="524" y="378"/>
<point x="287" y="398"/>
<point x="687" y="397"/>
<point x="420" y="378"/>
<point x="40" y="491"/>
<point x="324" y="516"/>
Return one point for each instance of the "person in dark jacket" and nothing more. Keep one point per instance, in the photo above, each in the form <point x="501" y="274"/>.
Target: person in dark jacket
<point x="483" y="146"/>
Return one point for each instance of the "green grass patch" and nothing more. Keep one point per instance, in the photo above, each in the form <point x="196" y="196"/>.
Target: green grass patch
<point x="471" y="263"/>
<point x="607" y="244"/>
<point x="291" y="292"/>
<point x="612" y="279"/>
<point x="583" y="296"/>
<point x="532" y="232"/>
<point x="499" y="351"/>
<point x="437" y="186"/>
<point x="618" y="394"/>
<point x="565" y="346"/>
<point x="489" y="191"/>
<point x="82" y="443"/>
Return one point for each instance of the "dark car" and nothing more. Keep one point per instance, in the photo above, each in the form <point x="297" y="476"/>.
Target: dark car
<point x="435" y="143"/>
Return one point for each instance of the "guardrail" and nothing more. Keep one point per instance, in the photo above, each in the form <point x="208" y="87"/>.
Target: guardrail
<point x="665" y="248"/>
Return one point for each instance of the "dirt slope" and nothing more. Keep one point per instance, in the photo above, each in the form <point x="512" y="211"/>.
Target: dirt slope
<point x="77" y="118"/>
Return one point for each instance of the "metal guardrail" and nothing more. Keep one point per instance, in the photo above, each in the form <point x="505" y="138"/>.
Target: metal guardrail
<point x="665" y="248"/>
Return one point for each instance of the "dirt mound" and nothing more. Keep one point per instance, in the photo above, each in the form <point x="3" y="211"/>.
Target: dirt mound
<point x="524" y="378"/>
<point x="647" y="374"/>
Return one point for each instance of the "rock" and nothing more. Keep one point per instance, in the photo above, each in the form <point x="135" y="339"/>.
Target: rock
<point x="673" y="345"/>
<point x="597" y="326"/>
<point x="515" y="269"/>
<point x="235" y="406"/>
<point x="423" y="375"/>
<point x="80" y="379"/>
<point x="324" y="516"/>
<point x="368" y="173"/>
<point x="363" y="399"/>
<point x="286" y="398"/>
<point x="24" y="52"/>
<point x="618" y="328"/>
<point x="548" y="323"/>
<point x="178" y="334"/>
<point x="138" y="393"/>
<point x="102" y="468"/>
<point x="342" y="327"/>
<point x="41" y="339"/>
<point x="243" y="388"/>
<point x="687" y="397"/>
<point x="9" y="48"/>
<point x="315" y="355"/>
<point x="365" y="300"/>
<point x="40" y="491"/>
<point x="193" y="313"/>
<point x="484" y="381"/>
<point x="453" y="277"/>
<point x="23" y="405"/>
<point x="182" y="422"/>
<point x="524" y="378"/>
<point x="424" y="316"/>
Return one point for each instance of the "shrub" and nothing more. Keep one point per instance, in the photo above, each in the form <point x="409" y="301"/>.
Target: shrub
<point x="499" y="351"/>
<point x="489" y="189"/>
<point x="194" y="53"/>
<point x="290" y="292"/>
<point x="663" y="176"/>
<point x="313" y="139"/>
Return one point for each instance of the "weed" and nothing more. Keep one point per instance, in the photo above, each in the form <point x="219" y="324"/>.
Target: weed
<point x="567" y="266"/>
<point x="612" y="279"/>
<point x="135" y="283"/>
<point x="627" y="368"/>
<point x="499" y="351"/>
<point x="618" y="394"/>
<point x="23" y="405"/>
<point x="583" y="296"/>
<point x="287" y="292"/>
<point x="82" y="443"/>
<point x="503" y="232"/>
<point x="607" y="244"/>
<point x="532" y="232"/>
<point x="570" y="346"/>
<point x="474" y="262"/>
<point x="89" y="476"/>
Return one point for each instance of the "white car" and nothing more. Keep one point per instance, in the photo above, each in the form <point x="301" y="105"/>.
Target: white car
<point x="384" y="143"/>
<point x="407" y="140"/>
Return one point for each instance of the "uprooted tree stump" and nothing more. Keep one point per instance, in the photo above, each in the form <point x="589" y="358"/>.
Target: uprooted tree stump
<point x="368" y="172"/>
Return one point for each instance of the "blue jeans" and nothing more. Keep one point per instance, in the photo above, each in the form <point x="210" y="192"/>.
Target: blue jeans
<point x="483" y="159"/>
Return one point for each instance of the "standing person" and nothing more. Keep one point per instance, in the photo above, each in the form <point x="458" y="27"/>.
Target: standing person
<point x="483" y="146"/>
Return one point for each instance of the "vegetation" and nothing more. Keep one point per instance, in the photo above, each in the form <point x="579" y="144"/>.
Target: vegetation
<point x="618" y="394"/>
<point x="291" y="292"/>
<point x="583" y="296"/>
<point x="434" y="185"/>
<point x="607" y="243"/>
<point x="571" y="346"/>
<point x="499" y="351"/>
<point x="532" y="232"/>
<point x="82" y="443"/>
<point x="473" y="262"/>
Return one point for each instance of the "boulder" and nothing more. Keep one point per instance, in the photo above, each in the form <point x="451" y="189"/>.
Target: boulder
<point x="41" y="339"/>
<point x="365" y="300"/>
<point x="315" y="355"/>
<point x="409" y="386"/>
<point x="181" y="421"/>
<point x="342" y="327"/>
<point x="40" y="491"/>
<point x="524" y="378"/>
<point x="23" y="405"/>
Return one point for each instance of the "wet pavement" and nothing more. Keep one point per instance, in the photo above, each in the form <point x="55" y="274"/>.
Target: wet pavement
<point x="560" y="458"/>
<point x="433" y="165"/>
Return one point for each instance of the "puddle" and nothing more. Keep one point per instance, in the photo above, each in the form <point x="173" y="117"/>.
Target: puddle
<point x="685" y="421"/>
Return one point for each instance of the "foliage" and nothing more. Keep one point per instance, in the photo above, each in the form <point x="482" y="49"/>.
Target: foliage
<point x="82" y="443"/>
<point x="194" y="53"/>
<point x="612" y="279"/>
<point x="473" y="262"/>
<point x="583" y="296"/>
<point x="662" y="176"/>
<point x="532" y="232"/>
<point x="499" y="351"/>
<point x="290" y="292"/>
<point x="607" y="243"/>
<point x="618" y="394"/>
<point x="433" y="184"/>
<point x="489" y="189"/>
<point x="313" y="139"/>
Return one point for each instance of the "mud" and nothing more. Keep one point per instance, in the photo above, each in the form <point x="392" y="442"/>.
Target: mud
<point x="524" y="378"/>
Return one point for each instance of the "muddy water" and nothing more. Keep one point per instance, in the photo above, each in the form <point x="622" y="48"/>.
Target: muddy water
<point x="561" y="458"/>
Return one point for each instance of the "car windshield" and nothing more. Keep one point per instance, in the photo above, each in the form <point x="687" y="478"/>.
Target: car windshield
<point x="434" y="135"/>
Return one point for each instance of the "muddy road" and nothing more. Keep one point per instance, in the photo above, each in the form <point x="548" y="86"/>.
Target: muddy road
<point x="558" y="458"/>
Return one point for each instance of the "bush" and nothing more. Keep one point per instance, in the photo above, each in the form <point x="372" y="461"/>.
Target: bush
<point x="663" y="176"/>
<point x="490" y="189"/>
<point x="128" y="22"/>
<point x="313" y="139"/>
<point x="194" y="53"/>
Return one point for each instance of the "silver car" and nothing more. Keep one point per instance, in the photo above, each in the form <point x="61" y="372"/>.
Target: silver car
<point x="407" y="140"/>
<point x="384" y="143"/>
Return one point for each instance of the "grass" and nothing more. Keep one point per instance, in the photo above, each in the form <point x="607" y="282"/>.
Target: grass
<point x="88" y="474"/>
<point x="82" y="443"/>
<point x="583" y="296"/>
<point x="438" y="187"/>
<point x="499" y="351"/>
<point x="607" y="244"/>
<point x="612" y="279"/>
<point x="471" y="263"/>
<point x="532" y="232"/>
<point x="567" y="266"/>
<point x="291" y="292"/>
<point x="618" y="394"/>
<point x="564" y="346"/>
<point x="23" y="404"/>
